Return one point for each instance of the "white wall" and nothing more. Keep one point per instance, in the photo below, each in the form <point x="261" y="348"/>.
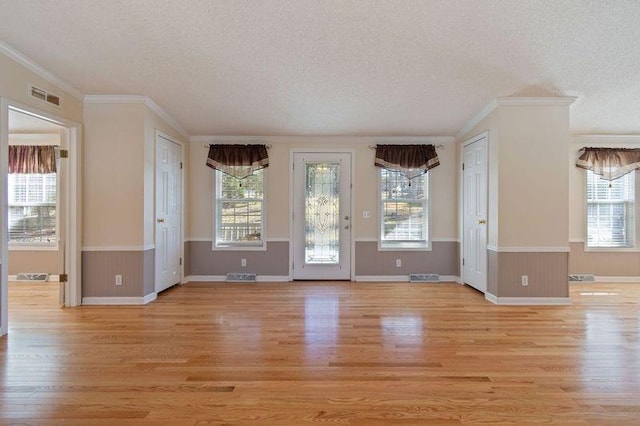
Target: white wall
<point x="14" y="85"/>
<point x="278" y="211"/>
<point x="114" y="174"/>
<point x="534" y="181"/>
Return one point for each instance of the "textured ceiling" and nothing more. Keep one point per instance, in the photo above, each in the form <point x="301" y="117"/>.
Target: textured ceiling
<point x="340" y="67"/>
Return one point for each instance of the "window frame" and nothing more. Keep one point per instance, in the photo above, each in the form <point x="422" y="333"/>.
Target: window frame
<point x="636" y="218"/>
<point x="30" y="246"/>
<point x="258" y="245"/>
<point x="391" y="245"/>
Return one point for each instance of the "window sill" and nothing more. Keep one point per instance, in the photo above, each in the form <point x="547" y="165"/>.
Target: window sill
<point x="239" y="247"/>
<point x="611" y="249"/>
<point x="19" y="247"/>
<point x="404" y="247"/>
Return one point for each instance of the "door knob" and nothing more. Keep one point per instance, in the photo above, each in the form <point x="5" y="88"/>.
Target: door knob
<point x="160" y="220"/>
<point x="346" y="218"/>
<point x="482" y="222"/>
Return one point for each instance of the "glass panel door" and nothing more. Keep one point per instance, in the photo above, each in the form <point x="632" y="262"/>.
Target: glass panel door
<point x="322" y="216"/>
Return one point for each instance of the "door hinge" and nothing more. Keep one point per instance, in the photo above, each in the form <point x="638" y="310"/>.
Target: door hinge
<point x="462" y="166"/>
<point x="64" y="153"/>
<point x="64" y="278"/>
<point x="463" y="261"/>
<point x="180" y="165"/>
<point x="180" y="261"/>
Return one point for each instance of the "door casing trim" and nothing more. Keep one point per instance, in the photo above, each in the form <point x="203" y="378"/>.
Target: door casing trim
<point x="352" y="152"/>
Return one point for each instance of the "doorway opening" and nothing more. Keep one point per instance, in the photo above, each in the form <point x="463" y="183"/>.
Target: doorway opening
<point x="34" y="258"/>
<point x="40" y="245"/>
<point x="322" y="238"/>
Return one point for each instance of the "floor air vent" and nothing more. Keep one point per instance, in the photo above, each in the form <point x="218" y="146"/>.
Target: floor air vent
<point x="582" y="278"/>
<point x="39" y="277"/>
<point x="240" y="277"/>
<point x="424" y="278"/>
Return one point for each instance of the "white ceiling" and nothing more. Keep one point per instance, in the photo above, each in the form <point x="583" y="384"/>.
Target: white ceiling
<point x="340" y="67"/>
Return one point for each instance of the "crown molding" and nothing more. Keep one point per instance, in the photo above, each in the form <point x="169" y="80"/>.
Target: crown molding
<point x="138" y="99"/>
<point x="505" y="101"/>
<point x="227" y="139"/>
<point x="153" y="106"/>
<point x="413" y="139"/>
<point x="39" y="70"/>
<point x="362" y="139"/>
<point x="481" y="115"/>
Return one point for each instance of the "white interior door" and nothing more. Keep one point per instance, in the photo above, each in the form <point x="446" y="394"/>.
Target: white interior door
<point x="474" y="264"/>
<point x="168" y="213"/>
<point x="321" y="216"/>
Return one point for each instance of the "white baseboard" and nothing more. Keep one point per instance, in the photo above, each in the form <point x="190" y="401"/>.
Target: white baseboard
<point x="119" y="300"/>
<point x="205" y="278"/>
<point x="222" y="278"/>
<point x="272" y="278"/>
<point x="491" y="298"/>
<point x="527" y="300"/>
<point x="286" y="278"/>
<point x="619" y="279"/>
<point x="382" y="278"/>
<point x="401" y="278"/>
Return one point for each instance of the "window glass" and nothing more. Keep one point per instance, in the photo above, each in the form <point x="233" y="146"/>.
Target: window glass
<point x="239" y="209"/>
<point x="404" y="210"/>
<point x="32" y="209"/>
<point x="610" y="211"/>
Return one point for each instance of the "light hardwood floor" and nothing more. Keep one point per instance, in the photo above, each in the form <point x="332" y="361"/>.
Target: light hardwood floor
<point x="329" y="353"/>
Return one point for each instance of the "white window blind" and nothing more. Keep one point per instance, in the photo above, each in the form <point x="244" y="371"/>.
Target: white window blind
<point x="610" y="211"/>
<point x="32" y="209"/>
<point x="404" y="210"/>
<point x="239" y="210"/>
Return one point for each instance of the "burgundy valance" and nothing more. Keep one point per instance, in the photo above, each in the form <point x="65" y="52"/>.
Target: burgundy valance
<point x="32" y="159"/>
<point x="238" y="160"/>
<point x="410" y="160"/>
<point x="609" y="163"/>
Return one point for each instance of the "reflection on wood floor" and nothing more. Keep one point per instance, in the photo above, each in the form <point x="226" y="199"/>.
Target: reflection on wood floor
<point x="332" y="353"/>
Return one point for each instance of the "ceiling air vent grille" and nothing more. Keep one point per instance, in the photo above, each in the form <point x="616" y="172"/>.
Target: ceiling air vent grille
<point x="45" y="96"/>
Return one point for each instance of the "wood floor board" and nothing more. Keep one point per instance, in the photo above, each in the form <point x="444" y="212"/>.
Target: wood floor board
<point x="322" y="352"/>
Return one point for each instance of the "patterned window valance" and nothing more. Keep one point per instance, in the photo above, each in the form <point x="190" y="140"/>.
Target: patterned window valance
<point x="610" y="163"/>
<point x="32" y="159"/>
<point x="410" y="160"/>
<point x="238" y="160"/>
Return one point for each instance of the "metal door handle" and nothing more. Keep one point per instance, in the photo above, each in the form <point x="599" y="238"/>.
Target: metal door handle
<point x="160" y="220"/>
<point x="482" y="222"/>
<point x="346" y="218"/>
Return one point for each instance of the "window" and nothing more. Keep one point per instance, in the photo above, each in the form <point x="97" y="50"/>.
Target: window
<point x="404" y="210"/>
<point x="610" y="211"/>
<point x="32" y="209"/>
<point x="239" y="207"/>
